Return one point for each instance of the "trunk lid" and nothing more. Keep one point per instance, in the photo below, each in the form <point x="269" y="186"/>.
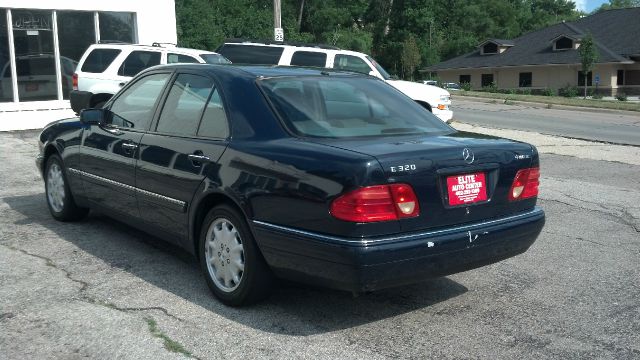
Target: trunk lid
<point x="425" y="162"/>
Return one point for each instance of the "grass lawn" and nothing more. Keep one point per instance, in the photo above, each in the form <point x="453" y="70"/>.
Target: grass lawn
<point x="554" y="100"/>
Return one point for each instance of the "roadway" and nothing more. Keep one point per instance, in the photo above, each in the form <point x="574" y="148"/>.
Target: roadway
<point x="618" y="127"/>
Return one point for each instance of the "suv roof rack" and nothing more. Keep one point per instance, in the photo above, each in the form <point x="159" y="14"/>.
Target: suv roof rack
<point x="159" y="44"/>
<point x="288" y="43"/>
<point x="113" y="42"/>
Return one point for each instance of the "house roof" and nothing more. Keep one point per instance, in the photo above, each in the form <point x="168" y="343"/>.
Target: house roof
<point x="500" y="42"/>
<point x="615" y="34"/>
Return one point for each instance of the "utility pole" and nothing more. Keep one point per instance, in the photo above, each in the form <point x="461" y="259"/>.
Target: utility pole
<point x="278" y="33"/>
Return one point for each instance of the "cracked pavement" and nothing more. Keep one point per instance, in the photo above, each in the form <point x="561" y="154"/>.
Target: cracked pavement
<point x="89" y="289"/>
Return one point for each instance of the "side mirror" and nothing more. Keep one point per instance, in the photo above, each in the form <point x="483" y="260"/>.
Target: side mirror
<point x="92" y="116"/>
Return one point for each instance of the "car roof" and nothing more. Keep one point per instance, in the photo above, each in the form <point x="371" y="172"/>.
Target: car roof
<point x="168" y="47"/>
<point x="264" y="71"/>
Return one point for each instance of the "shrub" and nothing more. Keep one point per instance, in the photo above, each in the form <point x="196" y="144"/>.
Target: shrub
<point x="525" y="91"/>
<point x="547" y="92"/>
<point x="465" y="86"/>
<point x="621" y="97"/>
<point x="568" y="91"/>
<point x="596" y="96"/>
<point x="492" y="88"/>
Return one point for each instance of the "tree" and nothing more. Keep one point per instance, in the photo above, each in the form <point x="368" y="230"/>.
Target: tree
<point x="618" y="4"/>
<point x="588" y="57"/>
<point x="410" y="57"/>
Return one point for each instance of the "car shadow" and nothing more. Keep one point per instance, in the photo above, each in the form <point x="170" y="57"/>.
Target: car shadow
<point x="293" y="309"/>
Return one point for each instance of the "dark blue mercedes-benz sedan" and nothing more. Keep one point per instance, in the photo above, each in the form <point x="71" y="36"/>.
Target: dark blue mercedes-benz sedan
<point x="325" y="177"/>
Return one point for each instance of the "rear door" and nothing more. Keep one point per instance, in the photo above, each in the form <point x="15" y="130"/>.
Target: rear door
<point x="183" y="147"/>
<point x="108" y="151"/>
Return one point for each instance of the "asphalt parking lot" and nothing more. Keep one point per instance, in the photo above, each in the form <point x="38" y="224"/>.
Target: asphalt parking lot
<point x="100" y="289"/>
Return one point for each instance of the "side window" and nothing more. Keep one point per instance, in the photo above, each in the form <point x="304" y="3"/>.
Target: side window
<point x="138" y="61"/>
<point x="182" y="111"/>
<point x="214" y="121"/>
<point x="309" y="58"/>
<point x="134" y="107"/>
<point x="350" y="63"/>
<point x="179" y="58"/>
<point x="99" y="60"/>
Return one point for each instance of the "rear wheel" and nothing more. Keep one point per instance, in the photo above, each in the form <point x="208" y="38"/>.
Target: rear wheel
<point x="233" y="266"/>
<point x="59" y="198"/>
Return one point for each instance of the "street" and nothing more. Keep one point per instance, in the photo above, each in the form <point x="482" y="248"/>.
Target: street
<point x="618" y="127"/>
<point x="100" y="289"/>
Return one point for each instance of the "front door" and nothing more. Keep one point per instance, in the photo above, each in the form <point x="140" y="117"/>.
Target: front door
<point x="108" y="151"/>
<point x="181" y="149"/>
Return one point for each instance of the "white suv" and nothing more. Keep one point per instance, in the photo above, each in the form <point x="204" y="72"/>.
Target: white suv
<point x="433" y="98"/>
<point x="105" y="68"/>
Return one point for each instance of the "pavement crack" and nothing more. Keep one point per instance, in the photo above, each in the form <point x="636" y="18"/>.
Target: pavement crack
<point x="113" y="306"/>
<point x="620" y="218"/>
<point x="83" y="284"/>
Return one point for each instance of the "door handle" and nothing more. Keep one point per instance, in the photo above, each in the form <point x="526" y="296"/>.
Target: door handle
<point x="129" y="146"/>
<point x="199" y="159"/>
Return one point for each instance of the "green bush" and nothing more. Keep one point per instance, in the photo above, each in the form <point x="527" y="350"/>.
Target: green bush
<point x="621" y="97"/>
<point x="525" y="91"/>
<point x="492" y="88"/>
<point x="547" y="92"/>
<point x="596" y="96"/>
<point x="465" y="86"/>
<point x="568" y="91"/>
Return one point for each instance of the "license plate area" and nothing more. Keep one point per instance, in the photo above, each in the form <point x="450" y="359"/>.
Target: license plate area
<point x="465" y="189"/>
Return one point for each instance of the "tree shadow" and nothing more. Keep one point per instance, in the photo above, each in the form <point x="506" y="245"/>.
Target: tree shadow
<point x="293" y="309"/>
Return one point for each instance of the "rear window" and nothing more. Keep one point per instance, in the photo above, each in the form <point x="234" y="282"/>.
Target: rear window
<point x="347" y="107"/>
<point x="251" y="54"/>
<point x="179" y="58"/>
<point x="309" y="58"/>
<point x="99" y="60"/>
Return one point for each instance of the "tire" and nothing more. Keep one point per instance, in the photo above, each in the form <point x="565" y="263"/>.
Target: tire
<point x="232" y="264"/>
<point x="59" y="198"/>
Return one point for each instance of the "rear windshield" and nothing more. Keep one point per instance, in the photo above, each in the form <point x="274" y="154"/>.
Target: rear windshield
<point x="341" y="107"/>
<point x="214" y="59"/>
<point x="251" y="54"/>
<point x="99" y="60"/>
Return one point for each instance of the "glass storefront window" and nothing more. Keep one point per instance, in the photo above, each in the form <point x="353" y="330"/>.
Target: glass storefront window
<point x="34" y="49"/>
<point x="76" y="32"/>
<point x="117" y="26"/>
<point x="6" y="87"/>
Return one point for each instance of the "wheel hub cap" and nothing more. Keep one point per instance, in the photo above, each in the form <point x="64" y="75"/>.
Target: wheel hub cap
<point x="55" y="187"/>
<point x="224" y="254"/>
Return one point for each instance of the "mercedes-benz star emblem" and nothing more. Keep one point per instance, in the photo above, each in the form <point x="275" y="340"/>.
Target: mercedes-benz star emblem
<point x="468" y="156"/>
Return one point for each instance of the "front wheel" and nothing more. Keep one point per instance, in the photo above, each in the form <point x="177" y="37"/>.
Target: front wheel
<point x="59" y="198"/>
<point x="233" y="266"/>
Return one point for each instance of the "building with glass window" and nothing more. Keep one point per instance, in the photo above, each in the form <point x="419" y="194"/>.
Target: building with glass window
<point x="41" y="42"/>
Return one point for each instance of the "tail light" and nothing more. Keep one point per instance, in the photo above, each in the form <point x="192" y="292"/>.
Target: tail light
<point x="525" y="185"/>
<point x="74" y="80"/>
<point x="376" y="203"/>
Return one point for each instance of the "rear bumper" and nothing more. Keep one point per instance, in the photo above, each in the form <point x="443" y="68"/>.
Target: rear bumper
<point x="80" y="100"/>
<point x="369" y="264"/>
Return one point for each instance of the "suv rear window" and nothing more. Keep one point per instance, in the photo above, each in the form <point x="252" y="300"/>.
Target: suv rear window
<point x="251" y="54"/>
<point x="348" y="107"/>
<point x="138" y="61"/>
<point x="309" y="58"/>
<point x="99" y="60"/>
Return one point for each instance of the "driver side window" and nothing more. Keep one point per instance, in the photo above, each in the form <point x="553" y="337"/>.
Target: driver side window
<point x="134" y="107"/>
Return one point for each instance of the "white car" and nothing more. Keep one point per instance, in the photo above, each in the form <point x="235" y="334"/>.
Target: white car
<point x="105" y="68"/>
<point x="433" y="98"/>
